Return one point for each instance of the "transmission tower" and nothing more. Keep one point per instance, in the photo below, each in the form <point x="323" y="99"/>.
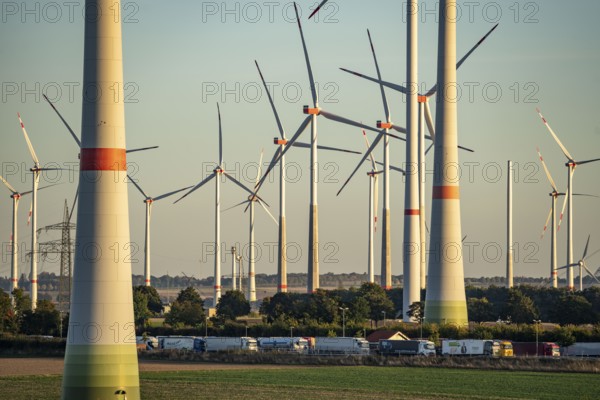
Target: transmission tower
<point x="65" y="247"/>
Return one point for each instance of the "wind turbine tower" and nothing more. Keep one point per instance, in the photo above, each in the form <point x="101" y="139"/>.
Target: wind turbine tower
<point x="101" y="355"/>
<point x="445" y="301"/>
<point x="412" y="214"/>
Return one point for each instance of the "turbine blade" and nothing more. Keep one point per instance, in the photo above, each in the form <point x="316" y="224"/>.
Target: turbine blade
<point x="393" y="86"/>
<point x="384" y="99"/>
<point x="238" y="183"/>
<point x="237" y="205"/>
<point x="279" y="125"/>
<point x="290" y="143"/>
<point x="429" y="148"/>
<point x="141" y="149"/>
<point x="393" y="136"/>
<point x="546" y="224"/>
<point x="259" y="169"/>
<point x="138" y="187"/>
<point x="590" y="272"/>
<point x="547" y="171"/>
<point x="36" y="161"/>
<point x="370" y="154"/>
<point x="585" y="250"/>
<point x="220" y="138"/>
<point x="562" y="211"/>
<point x="267" y="211"/>
<point x="466" y="149"/>
<point x="313" y="89"/>
<point x="399" y="128"/>
<point x="329" y="148"/>
<point x="393" y="168"/>
<point x="74" y="202"/>
<point x="429" y="121"/>
<point x="317" y="9"/>
<point x="563" y="148"/>
<point x="162" y="196"/>
<point x="198" y="186"/>
<point x="64" y="122"/>
<point x="347" y="121"/>
<point x="369" y="150"/>
<point x="586" y="195"/>
<point x="587" y="161"/>
<point x="433" y="90"/>
<point x="8" y="185"/>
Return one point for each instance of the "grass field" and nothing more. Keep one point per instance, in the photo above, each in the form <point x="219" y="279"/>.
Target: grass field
<point x="335" y="382"/>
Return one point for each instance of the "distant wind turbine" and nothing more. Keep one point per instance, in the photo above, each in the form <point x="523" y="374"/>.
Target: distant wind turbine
<point x="571" y="165"/>
<point x="217" y="173"/>
<point x="582" y="265"/>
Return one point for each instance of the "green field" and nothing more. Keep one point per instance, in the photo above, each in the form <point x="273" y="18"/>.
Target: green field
<point x="336" y="383"/>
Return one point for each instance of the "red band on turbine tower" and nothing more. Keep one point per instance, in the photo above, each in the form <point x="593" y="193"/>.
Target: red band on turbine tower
<point x="412" y="212"/>
<point x="282" y="286"/>
<point x="446" y="192"/>
<point x="103" y="159"/>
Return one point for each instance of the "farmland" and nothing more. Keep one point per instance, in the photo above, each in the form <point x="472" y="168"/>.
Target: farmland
<point x="185" y="381"/>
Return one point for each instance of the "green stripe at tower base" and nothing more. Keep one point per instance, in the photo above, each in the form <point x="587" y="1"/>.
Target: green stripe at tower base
<point x="446" y="312"/>
<point x="100" y="372"/>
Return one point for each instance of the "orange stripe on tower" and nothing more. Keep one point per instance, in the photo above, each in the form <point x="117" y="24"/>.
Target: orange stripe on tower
<point x="103" y="159"/>
<point x="412" y="212"/>
<point x="446" y="192"/>
<point x="282" y="286"/>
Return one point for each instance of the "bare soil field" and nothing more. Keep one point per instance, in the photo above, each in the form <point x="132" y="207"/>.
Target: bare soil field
<point x="54" y="366"/>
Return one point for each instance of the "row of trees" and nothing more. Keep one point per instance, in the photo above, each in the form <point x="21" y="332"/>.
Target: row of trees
<point x="19" y="318"/>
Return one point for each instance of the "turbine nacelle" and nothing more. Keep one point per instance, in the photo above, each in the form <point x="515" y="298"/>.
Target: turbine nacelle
<point x="15" y="196"/>
<point x="279" y="142"/>
<point x="311" y="111"/>
<point x="149" y="200"/>
<point x="384" y="125"/>
<point x="218" y="170"/>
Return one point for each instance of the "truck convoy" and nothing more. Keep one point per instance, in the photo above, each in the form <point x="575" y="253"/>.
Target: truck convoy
<point x="341" y="345"/>
<point x="176" y="342"/>
<point x="541" y="349"/>
<point x="406" y="347"/>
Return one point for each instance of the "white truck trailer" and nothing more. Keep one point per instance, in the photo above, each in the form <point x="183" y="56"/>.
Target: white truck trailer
<point x="470" y="347"/>
<point x="213" y="343"/>
<point x="287" y="344"/>
<point x="176" y="342"/>
<point x="341" y="345"/>
<point x="406" y="348"/>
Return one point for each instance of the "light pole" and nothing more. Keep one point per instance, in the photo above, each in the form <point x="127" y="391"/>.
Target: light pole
<point x="344" y="309"/>
<point x="383" y="312"/>
<point x="246" y="330"/>
<point x="291" y="332"/>
<point x="537" y="324"/>
<point x="205" y="327"/>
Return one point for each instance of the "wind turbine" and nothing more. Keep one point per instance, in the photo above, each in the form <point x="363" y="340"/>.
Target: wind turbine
<point x="15" y="196"/>
<point x="149" y="201"/>
<point x="373" y="203"/>
<point x="217" y="173"/>
<point x="36" y="171"/>
<point x="582" y="265"/>
<point x="252" y="199"/>
<point x="571" y="165"/>
<point x="281" y="143"/>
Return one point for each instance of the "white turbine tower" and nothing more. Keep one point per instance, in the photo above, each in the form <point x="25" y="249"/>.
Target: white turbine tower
<point x="252" y="199"/>
<point x="218" y="172"/>
<point x="571" y="165"/>
<point x="281" y="144"/>
<point x="233" y="272"/>
<point x="149" y="201"/>
<point x="36" y="172"/>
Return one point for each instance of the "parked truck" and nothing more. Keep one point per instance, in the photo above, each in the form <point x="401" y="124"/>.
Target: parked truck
<point x="506" y="349"/>
<point x="146" y="342"/>
<point x="176" y="342"/>
<point x="213" y="343"/>
<point x="341" y="345"/>
<point x="470" y="347"/>
<point x="406" y="348"/>
<point x="590" y="349"/>
<point x="287" y="344"/>
<point x="542" y="349"/>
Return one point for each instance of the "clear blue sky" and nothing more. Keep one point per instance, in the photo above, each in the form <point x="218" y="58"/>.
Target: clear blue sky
<point x="178" y="54"/>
